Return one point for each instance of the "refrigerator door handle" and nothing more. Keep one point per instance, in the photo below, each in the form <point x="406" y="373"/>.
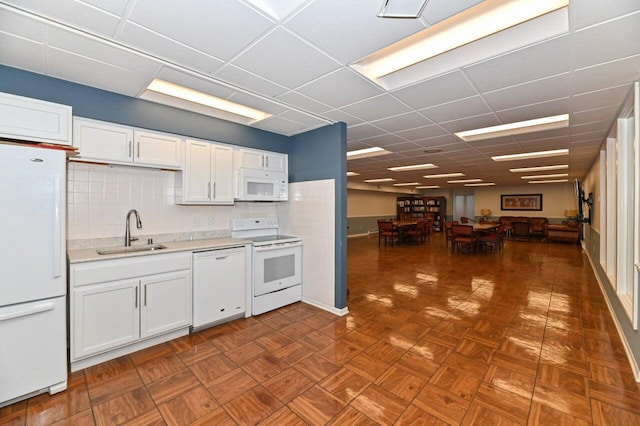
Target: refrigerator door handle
<point x="57" y="228"/>
<point x="31" y="310"/>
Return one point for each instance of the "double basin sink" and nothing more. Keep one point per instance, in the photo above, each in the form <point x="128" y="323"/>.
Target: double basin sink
<point x="130" y="249"/>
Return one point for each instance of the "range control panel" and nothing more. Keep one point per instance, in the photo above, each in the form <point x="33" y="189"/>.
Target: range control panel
<point x="247" y="224"/>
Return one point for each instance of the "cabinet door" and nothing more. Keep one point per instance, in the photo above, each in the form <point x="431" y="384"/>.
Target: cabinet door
<point x="157" y="149"/>
<point x="222" y="174"/>
<point x="104" y="316"/>
<point x="197" y="172"/>
<point x="275" y="162"/>
<point x="251" y="159"/>
<point x="34" y="120"/>
<point x="165" y="303"/>
<point x="103" y="141"/>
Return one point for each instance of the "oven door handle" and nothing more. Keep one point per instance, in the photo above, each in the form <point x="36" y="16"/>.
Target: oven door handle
<point x="279" y="246"/>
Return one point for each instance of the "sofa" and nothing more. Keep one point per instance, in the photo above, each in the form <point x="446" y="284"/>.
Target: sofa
<point x="566" y="233"/>
<point x="535" y="226"/>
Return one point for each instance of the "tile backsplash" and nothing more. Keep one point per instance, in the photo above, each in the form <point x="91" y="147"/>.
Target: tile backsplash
<point x="99" y="197"/>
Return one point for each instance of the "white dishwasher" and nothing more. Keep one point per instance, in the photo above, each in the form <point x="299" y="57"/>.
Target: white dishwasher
<point x="219" y="281"/>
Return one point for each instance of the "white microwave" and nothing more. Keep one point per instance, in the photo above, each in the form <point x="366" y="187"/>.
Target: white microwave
<point x="259" y="185"/>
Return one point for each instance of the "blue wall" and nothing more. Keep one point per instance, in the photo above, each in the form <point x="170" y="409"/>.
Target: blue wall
<point x="321" y="154"/>
<point x="108" y="106"/>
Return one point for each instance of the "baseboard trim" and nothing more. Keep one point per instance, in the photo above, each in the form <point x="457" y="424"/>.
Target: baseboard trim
<point x="336" y="311"/>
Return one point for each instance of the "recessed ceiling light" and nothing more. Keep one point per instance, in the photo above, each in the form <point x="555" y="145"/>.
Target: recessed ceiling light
<point x="401" y="8"/>
<point x="481" y="184"/>
<point x="428" y="187"/>
<point x="527" y="155"/>
<point x="549" y="181"/>
<point x="539" y="168"/>
<point x="555" y="175"/>
<point x="353" y="174"/>
<point x="444" y="175"/>
<point x="380" y="180"/>
<point x="464" y="181"/>
<point x="536" y="125"/>
<point x="414" y="167"/>
<point x="168" y="93"/>
<point x="476" y="23"/>
<point x="367" y="152"/>
<point x="407" y="184"/>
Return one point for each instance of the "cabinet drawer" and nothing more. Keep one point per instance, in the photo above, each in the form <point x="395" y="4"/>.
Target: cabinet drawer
<point x="117" y="269"/>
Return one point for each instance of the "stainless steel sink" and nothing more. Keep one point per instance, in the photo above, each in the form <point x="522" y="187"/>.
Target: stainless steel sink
<point x="131" y="249"/>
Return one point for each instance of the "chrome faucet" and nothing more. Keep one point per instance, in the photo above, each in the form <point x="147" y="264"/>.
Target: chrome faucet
<point x="127" y="233"/>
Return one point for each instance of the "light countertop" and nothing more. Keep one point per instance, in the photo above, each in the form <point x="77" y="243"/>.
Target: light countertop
<point x="90" y="254"/>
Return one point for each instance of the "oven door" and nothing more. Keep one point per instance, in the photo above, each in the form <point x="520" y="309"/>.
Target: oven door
<point x="276" y="267"/>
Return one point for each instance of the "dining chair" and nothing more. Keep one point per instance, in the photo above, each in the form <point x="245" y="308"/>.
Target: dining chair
<point x="387" y="231"/>
<point x="521" y="230"/>
<point x="491" y="239"/>
<point x="428" y="226"/>
<point x="463" y="238"/>
<point x="417" y="232"/>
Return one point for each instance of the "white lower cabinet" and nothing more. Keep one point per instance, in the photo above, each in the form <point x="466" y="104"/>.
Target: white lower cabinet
<point x="125" y="302"/>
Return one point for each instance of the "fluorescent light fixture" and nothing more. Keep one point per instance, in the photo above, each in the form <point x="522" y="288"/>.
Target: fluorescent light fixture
<point x="474" y="24"/>
<point x="444" y="175"/>
<point x="527" y="155"/>
<point x="353" y="174"/>
<point x="555" y="175"/>
<point x="539" y="168"/>
<point x="406" y="184"/>
<point x="172" y="94"/>
<point x="380" y="180"/>
<point x="464" y="181"/>
<point x="428" y="187"/>
<point x="549" y="181"/>
<point x="366" y="152"/>
<point x="414" y="167"/>
<point x="481" y="184"/>
<point x="401" y="8"/>
<point x="520" y="127"/>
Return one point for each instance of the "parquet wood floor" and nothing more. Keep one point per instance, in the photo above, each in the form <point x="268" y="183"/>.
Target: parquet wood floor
<point x="432" y="338"/>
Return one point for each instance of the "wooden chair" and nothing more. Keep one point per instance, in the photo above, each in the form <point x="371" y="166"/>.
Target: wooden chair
<point x="417" y="233"/>
<point x="387" y="231"/>
<point x="521" y="230"/>
<point x="428" y="226"/>
<point x="492" y="239"/>
<point x="463" y="238"/>
<point x="448" y="233"/>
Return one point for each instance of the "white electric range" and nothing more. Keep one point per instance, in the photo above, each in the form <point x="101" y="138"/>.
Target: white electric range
<point x="276" y="265"/>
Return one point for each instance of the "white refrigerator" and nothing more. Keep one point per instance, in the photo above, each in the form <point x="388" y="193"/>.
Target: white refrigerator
<point x="33" y="275"/>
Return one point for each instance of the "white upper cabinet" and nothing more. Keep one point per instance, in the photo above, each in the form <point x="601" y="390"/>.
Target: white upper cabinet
<point x="207" y="177"/>
<point x="261" y="160"/>
<point x="113" y="143"/>
<point x="34" y="120"/>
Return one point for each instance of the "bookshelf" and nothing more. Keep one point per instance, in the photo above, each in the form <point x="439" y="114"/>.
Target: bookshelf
<point x="411" y="208"/>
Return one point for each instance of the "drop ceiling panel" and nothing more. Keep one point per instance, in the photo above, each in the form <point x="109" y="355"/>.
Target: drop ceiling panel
<point x="303" y="102"/>
<point x="397" y="123"/>
<point x="363" y="131"/>
<point x="340" y="88"/>
<point x="529" y="112"/>
<point x="422" y="133"/>
<point x="285" y="59"/>
<point x="20" y="26"/>
<point x="531" y="63"/>
<point x="377" y="108"/>
<point x="485" y="120"/>
<point x="403" y="147"/>
<point x="587" y="12"/>
<point x="439" y="90"/>
<point x="167" y="48"/>
<point x="262" y="104"/>
<point x="384" y="140"/>
<point x="280" y="125"/>
<point x="337" y="115"/>
<point x="608" y="42"/>
<point x="600" y="98"/>
<point x="309" y="121"/>
<point x="607" y="114"/>
<point x="349" y="30"/>
<point x="205" y="26"/>
<point x="547" y="89"/>
<point x="91" y="72"/>
<point x="610" y="74"/>
<point x="76" y="13"/>
<point x="455" y="110"/>
<point x="239" y="77"/>
<point x="24" y="54"/>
